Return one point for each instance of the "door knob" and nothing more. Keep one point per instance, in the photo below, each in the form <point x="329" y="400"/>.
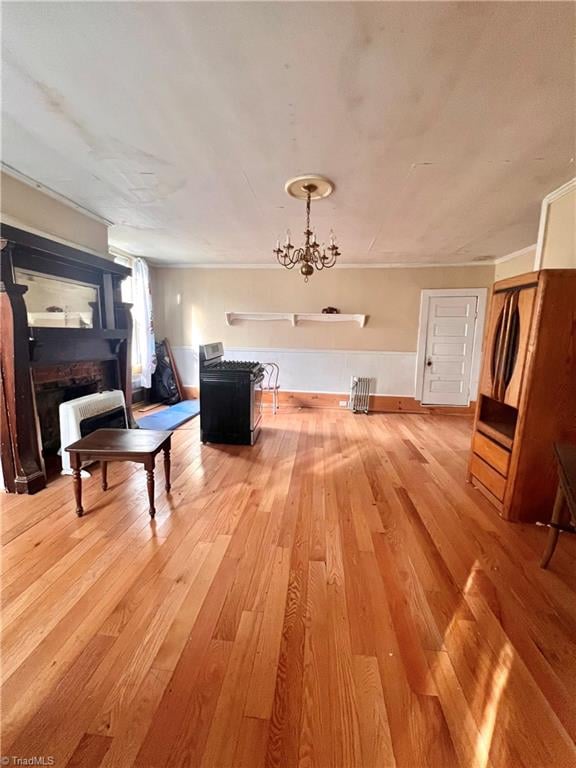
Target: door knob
<point x="428" y="362"/>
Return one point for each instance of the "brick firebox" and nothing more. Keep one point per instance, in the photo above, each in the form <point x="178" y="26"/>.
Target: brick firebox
<point x="55" y="384"/>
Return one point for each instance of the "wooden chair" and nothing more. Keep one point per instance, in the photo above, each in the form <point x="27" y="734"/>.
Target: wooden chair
<point x="565" y="496"/>
<point x="270" y="383"/>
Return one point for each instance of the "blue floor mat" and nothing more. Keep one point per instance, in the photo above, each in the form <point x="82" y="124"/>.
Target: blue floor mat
<point x="171" y="417"/>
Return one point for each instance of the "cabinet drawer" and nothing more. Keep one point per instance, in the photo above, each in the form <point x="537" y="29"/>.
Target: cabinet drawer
<point x="491" y="479"/>
<point x="492" y="453"/>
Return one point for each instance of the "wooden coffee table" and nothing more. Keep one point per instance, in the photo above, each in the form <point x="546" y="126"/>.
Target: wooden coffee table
<point x="104" y="445"/>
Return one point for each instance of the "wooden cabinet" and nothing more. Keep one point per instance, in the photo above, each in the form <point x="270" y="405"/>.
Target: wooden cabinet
<point x="527" y="397"/>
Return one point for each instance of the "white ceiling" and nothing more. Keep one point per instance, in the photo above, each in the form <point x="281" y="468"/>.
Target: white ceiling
<point x="442" y="124"/>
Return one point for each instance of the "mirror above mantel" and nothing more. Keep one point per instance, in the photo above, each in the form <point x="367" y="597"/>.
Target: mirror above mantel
<point x="55" y="302"/>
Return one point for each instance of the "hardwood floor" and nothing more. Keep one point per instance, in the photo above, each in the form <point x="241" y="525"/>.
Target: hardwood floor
<point x="336" y="596"/>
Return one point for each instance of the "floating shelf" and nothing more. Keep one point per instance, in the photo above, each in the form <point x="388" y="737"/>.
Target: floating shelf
<point x="295" y="318"/>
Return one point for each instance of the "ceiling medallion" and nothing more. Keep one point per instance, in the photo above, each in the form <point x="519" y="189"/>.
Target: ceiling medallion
<point x="311" y="255"/>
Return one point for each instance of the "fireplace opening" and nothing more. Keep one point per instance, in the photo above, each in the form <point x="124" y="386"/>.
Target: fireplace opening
<point x="48" y="404"/>
<point x="113" y="419"/>
<point x="56" y="384"/>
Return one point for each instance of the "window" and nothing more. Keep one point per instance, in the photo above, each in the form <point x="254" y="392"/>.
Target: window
<point x="136" y="291"/>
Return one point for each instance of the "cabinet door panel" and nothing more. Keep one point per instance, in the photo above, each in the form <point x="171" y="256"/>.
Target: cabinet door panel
<point x="525" y="310"/>
<point x="507" y="337"/>
<point x="493" y="329"/>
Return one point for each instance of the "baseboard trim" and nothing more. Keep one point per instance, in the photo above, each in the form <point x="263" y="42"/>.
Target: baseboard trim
<point x="378" y="403"/>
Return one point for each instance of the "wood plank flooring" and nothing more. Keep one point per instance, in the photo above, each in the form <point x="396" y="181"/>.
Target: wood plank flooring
<point x="335" y="597"/>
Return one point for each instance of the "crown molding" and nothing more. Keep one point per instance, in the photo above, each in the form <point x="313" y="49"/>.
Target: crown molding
<point x="384" y="265"/>
<point x="515" y="254"/>
<point x="560" y="192"/>
<point x="39" y="187"/>
<point x="548" y="200"/>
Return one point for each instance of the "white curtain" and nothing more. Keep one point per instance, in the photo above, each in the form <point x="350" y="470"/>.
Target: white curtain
<point x="144" y="352"/>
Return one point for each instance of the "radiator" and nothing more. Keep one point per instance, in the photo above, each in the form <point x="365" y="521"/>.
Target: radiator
<point x="360" y="394"/>
<point x="73" y="412"/>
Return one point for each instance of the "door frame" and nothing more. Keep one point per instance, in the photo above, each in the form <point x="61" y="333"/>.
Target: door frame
<point x="481" y="295"/>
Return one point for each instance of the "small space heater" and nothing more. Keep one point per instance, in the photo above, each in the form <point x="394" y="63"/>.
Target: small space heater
<point x="83" y="415"/>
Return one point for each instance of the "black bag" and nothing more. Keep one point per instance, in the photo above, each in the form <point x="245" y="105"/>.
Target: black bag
<point x="164" y="389"/>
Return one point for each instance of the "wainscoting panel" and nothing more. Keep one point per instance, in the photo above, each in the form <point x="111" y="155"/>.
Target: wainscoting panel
<point x="312" y="370"/>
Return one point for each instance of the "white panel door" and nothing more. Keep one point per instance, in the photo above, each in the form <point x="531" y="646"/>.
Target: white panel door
<point x="449" y="347"/>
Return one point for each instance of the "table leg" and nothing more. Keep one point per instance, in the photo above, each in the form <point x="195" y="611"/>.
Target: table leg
<point x="150" y="485"/>
<point x="77" y="480"/>
<point x="167" y="468"/>
<point x="104" y="465"/>
<point x="554" y="532"/>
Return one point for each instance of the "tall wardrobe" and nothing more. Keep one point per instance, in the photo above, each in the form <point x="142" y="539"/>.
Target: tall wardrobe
<point x="527" y="393"/>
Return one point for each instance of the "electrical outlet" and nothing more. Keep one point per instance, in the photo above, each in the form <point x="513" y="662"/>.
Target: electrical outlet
<point x="343" y="403"/>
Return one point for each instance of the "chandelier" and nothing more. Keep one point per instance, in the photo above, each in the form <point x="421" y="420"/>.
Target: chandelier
<point x="311" y="255"/>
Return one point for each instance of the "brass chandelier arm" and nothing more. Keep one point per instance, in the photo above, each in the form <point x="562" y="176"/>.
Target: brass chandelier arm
<point x="328" y="260"/>
<point x="287" y="260"/>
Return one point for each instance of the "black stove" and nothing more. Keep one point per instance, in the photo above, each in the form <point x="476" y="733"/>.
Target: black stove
<point x="230" y="397"/>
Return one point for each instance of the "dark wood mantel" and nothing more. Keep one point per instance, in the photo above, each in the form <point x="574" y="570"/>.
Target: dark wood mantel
<point x="23" y="349"/>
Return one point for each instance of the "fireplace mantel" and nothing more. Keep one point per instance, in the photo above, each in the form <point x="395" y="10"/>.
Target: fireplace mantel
<point x="26" y="350"/>
<point x="51" y="345"/>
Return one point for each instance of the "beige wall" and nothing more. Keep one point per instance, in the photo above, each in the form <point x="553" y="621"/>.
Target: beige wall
<point x="519" y="265"/>
<point x="189" y="305"/>
<point x="30" y="209"/>
<point x="559" y="249"/>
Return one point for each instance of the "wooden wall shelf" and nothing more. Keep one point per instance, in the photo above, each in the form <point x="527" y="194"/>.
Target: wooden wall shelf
<point x="295" y="318"/>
